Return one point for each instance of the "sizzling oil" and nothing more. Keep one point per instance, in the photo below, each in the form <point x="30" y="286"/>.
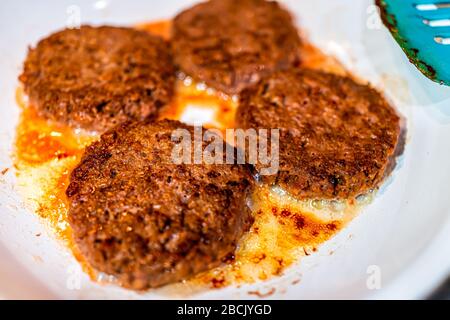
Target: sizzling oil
<point x="284" y="230"/>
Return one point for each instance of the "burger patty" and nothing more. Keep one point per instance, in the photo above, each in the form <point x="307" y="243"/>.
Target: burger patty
<point x="229" y="44"/>
<point x="140" y="217"/>
<point x="96" y="77"/>
<point x="337" y="137"/>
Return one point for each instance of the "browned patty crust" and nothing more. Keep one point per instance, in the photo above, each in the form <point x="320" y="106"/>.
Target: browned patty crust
<point x="336" y="136"/>
<point x="229" y="44"/>
<point x="149" y="222"/>
<point x="96" y="77"/>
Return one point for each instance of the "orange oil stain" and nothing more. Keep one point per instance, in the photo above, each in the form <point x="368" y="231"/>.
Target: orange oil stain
<point x="314" y="58"/>
<point x="44" y="155"/>
<point x="189" y="97"/>
<point x="160" y="28"/>
<point x="282" y="233"/>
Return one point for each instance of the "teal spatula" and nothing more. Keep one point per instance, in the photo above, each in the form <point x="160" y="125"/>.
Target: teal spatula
<point x="422" y="29"/>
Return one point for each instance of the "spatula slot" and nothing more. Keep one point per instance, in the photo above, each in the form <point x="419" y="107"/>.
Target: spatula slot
<point x="437" y="22"/>
<point x="442" y="40"/>
<point x="432" y="6"/>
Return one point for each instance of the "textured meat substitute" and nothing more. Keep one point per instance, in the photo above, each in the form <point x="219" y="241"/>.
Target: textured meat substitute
<point x="149" y="222"/>
<point x="229" y="44"/>
<point x="95" y="78"/>
<point x="337" y="137"/>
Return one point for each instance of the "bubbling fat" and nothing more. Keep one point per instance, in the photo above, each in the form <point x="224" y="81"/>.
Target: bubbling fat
<point x="284" y="230"/>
